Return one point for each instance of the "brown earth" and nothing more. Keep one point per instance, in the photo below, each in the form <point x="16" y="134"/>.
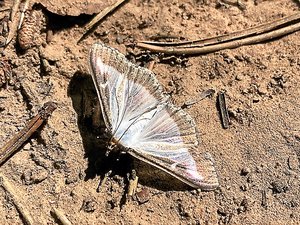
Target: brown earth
<point x="257" y="158"/>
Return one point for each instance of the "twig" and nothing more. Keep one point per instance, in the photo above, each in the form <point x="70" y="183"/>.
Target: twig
<point x="25" y="7"/>
<point x="263" y="198"/>
<point x="99" y="17"/>
<point x="204" y="94"/>
<point x="223" y="110"/>
<point x="228" y="45"/>
<point x="234" y="35"/>
<point x="13" y="27"/>
<point x="17" y="201"/>
<point x="14" y="9"/>
<point x="4" y="9"/>
<point x="14" y="18"/>
<point x="193" y="50"/>
<point x="13" y="145"/>
<point x="59" y="215"/>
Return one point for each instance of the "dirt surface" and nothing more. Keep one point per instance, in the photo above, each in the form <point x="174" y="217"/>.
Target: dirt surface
<point x="257" y="158"/>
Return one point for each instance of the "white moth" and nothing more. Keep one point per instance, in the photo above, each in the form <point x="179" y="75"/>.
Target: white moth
<point x="142" y="122"/>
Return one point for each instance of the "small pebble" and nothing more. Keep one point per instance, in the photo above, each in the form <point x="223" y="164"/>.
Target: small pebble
<point x="89" y="205"/>
<point x="120" y="39"/>
<point x="111" y="204"/>
<point x="293" y="162"/>
<point x="239" y="77"/>
<point x="194" y="192"/>
<point x="262" y="90"/>
<point x="143" y="196"/>
<point x="72" y="178"/>
<point x="250" y="178"/>
<point x="245" y="171"/>
<point x="222" y="212"/>
<point x="255" y="99"/>
<point x="244" y="187"/>
<point x="278" y="187"/>
<point x="60" y="164"/>
<point x="27" y="147"/>
<point x="34" y="176"/>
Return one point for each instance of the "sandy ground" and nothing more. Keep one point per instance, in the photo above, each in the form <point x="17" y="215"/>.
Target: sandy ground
<point x="257" y="158"/>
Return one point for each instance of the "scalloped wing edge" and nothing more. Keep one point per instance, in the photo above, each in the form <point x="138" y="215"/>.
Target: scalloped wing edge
<point x="204" y="178"/>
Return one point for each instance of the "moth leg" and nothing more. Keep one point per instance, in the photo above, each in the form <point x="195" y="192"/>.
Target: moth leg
<point x="103" y="181"/>
<point x="119" y="155"/>
<point x="107" y="152"/>
<point x="132" y="183"/>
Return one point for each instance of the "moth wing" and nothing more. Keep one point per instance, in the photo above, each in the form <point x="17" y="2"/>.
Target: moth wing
<point x="138" y="115"/>
<point x="125" y="90"/>
<point x="204" y="177"/>
<point x="165" y="144"/>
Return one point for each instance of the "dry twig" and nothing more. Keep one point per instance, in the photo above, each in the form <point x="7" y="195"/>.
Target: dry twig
<point x="262" y="28"/>
<point x="17" y="201"/>
<point x="14" y="9"/>
<point x="13" y="27"/>
<point x="223" y="110"/>
<point x="204" y="94"/>
<point x="99" y="17"/>
<point x="249" y="36"/>
<point x="4" y="9"/>
<point x="16" y="142"/>
<point x="25" y="7"/>
<point x="59" y="215"/>
<point x="14" y="18"/>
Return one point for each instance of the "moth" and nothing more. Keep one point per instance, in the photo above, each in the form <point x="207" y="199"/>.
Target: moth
<point x="141" y="120"/>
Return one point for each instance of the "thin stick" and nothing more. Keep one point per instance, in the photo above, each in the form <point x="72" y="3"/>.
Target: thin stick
<point x="100" y="16"/>
<point x="4" y="9"/>
<point x="59" y="215"/>
<point x="14" y="9"/>
<point x="223" y="110"/>
<point x="263" y="198"/>
<point x="204" y="94"/>
<point x="16" y="19"/>
<point x="25" y="7"/>
<point x="228" y="45"/>
<point x="234" y="35"/>
<point x="13" y="27"/>
<point x="13" y="145"/>
<point x="17" y="201"/>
